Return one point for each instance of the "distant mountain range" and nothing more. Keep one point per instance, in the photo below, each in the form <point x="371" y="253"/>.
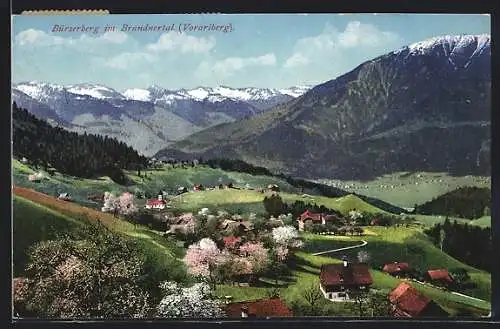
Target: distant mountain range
<point x="424" y="107"/>
<point x="146" y="119"/>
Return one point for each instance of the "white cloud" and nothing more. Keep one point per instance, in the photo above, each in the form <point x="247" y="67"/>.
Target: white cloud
<point x="182" y="42"/>
<point x="230" y="65"/>
<point x="296" y="59"/>
<point x="331" y="41"/>
<point x="128" y="60"/>
<point x="38" y="38"/>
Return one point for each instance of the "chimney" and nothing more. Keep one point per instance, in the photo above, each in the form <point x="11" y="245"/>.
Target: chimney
<point x="345" y="263"/>
<point x="244" y="312"/>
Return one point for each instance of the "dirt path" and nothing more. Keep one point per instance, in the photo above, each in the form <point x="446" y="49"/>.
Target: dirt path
<point x="364" y="243"/>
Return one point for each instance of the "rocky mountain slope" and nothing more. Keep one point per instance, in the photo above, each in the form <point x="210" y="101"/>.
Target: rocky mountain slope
<point x="146" y="119"/>
<point x="424" y="107"/>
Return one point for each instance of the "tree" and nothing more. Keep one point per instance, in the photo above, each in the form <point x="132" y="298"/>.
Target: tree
<point x="111" y="202"/>
<point x="192" y="302"/>
<point x="257" y="256"/>
<point x="101" y="276"/>
<point x="202" y="259"/>
<point x="363" y="256"/>
<point x="127" y="204"/>
<point x="312" y="295"/>
<point x="274" y="205"/>
<point x="379" y="304"/>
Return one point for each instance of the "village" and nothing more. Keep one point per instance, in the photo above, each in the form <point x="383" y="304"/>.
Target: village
<point x="345" y="282"/>
<point x="243" y="250"/>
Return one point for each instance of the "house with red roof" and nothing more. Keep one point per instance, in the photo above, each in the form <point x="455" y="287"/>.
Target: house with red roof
<point x="157" y="203"/>
<point x="408" y="302"/>
<point x="315" y="218"/>
<point x="339" y="281"/>
<point x="198" y="187"/>
<point x="439" y="277"/>
<point x="268" y="307"/>
<point x="397" y="269"/>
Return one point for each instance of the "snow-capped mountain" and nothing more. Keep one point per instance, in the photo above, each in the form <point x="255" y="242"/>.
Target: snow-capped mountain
<point x="147" y="119"/>
<point x="424" y="107"/>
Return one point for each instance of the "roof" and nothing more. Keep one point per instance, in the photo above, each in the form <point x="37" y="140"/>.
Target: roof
<point x="353" y="274"/>
<point x="260" y="308"/>
<point x="408" y="299"/>
<point x="230" y="241"/>
<point x="64" y="195"/>
<point x="396" y="267"/>
<point x="441" y="274"/>
<point x="316" y="216"/>
<point x="156" y="202"/>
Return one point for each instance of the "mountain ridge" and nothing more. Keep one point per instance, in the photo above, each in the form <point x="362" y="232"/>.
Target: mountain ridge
<point x="439" y="85"/>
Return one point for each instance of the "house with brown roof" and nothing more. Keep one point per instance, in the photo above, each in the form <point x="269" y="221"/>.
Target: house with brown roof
<point x="182" y="224"/>
<point x="397" y="269"/>
<point x="408" y="302"/>
<point x="439" y="277"/>
<point x="242" y="226"/>
<point x="268" y="307"/>
<point x="315" y="218"/>
<point x="339" y="281"/>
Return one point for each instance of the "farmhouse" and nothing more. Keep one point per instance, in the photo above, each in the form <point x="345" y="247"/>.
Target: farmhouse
<point x="64" y="197"/>
<point x="273" y="187"/>
<point x="182" y="224"/>
<point x="243" y="226"/>
<point x="439" y="277"/>
<point x="397" y="269"/>
<point x="198" y="187"/>
<point x="96" y="197"/>
<point x="314" y="218"/>
<point x="158" y="203"/>
<point x="338" y="281"/>
<point x="268" y="307"/>
<point x="182" y="189"/>
<point x="35" y="177"/>
<point x="407" y="302"/>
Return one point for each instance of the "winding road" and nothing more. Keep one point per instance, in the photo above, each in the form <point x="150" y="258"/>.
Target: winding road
<point x="364" y="243"/>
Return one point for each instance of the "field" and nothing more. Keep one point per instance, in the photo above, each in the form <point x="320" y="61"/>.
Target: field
<point x="38" y="216"/>
<point x="384" y="247"/>
<point x="408" y="189"/>
<point x="37" y="207"/>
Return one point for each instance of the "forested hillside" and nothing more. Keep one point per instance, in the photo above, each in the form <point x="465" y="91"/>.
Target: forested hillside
<point x="465" y="202"/>
<point x="68" y="152"/>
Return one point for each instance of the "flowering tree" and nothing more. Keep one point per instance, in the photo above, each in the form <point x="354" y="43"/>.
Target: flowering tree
<point x="202" y="259"/>
<point x="256" y="255"/>
<point x="126" y="204"/>
<point x="111" y="202"/>
<point x="285" y="238"/>
<point x="192" y="302"/>
<point x="363" y="256"/>
<point x="354" y="216"/>
<point x="99" y="277"/>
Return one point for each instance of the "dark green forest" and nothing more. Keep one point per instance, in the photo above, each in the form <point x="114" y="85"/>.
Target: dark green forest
<point x="464" y="202"/>
<point x="468" y="243"/>
<point x="70" y="153"/>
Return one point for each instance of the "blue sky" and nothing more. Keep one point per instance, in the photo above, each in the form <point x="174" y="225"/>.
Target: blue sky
<point x="272" y="51"/>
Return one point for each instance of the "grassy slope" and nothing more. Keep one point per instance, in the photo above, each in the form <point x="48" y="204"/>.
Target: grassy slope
<point x="408" y="189"/>
<point x="166" y="177"/>
<point x="33" y="223"/>
<point x="387" y="245"/>
<point x="251" y="201"/>
<point x="45" y="210"/>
